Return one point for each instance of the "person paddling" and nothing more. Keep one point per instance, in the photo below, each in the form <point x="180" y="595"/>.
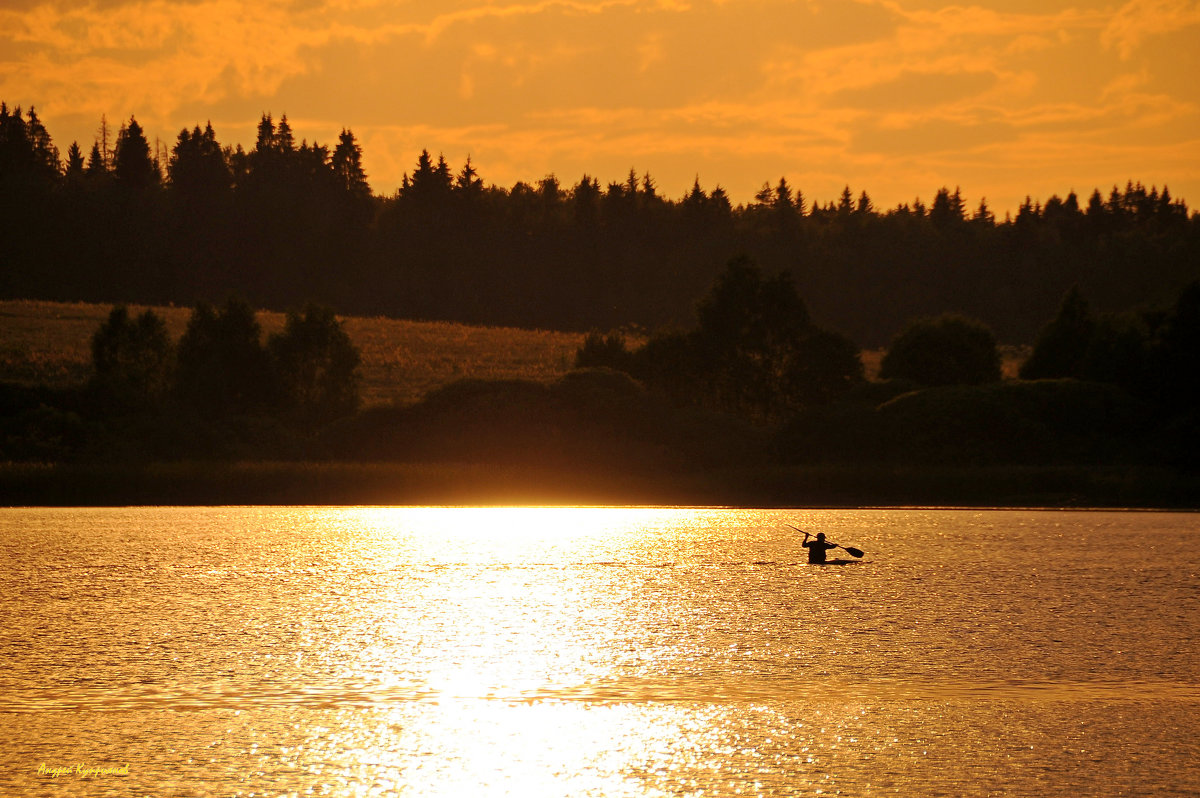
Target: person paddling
<point x="817" y="548"/>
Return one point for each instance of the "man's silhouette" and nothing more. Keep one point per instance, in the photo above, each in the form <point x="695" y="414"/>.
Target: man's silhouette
<point x="817" y="548"/>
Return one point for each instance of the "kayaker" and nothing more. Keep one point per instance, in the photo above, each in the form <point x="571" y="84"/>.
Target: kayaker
<point x="817" y="548"/>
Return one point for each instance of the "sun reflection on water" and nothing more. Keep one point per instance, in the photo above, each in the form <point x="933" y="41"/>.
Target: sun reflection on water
<point x="580" y="651"/>
<point x="508" y="608"/>
<point x="596" y="651"/>
<point x="557" y="748"/>
<point x="510" y="522"/>
<point x="517" y="635"/>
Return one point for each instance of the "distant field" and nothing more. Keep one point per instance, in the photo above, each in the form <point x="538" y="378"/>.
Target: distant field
<point x="50" y="343"/>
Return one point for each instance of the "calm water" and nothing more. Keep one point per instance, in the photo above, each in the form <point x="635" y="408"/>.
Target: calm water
<point x="581" y="652"/>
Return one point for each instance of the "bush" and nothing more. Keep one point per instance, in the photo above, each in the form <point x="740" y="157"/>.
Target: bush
<point x="946" y="350"/>
<point x="590" y="418"/>
<point x="603" y="351"/>
<point x="1041" y="422"/>
<point x="825" y="367"/>
<point x="44" y="433"/>
<point x="1175" y="377"/>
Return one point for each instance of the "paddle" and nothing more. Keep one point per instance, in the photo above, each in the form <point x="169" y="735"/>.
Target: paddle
<point x="853" y="552"/>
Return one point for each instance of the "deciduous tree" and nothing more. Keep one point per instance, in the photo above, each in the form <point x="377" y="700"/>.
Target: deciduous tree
<point x="947" y="350"/>
<point x="133" y="359"/>
<point x="1063" y="343"/>
<point x="316" y="365"/>
<point x="223" y="367"/>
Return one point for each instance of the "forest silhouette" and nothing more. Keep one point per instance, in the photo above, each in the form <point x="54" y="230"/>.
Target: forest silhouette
<point x="285" y="223"/>
<point x="752" y="316"/>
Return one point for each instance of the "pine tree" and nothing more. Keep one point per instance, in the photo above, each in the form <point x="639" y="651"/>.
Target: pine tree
<point x="983" y="214"/>
<point x="783" y="197"/>
<point x="45" y="154"/>
<point x="347" y="166"/>
<point x="695" y="203"/>
<point x="845" y="204"/>
<point x="284" y="141"/>
<point x="442" y="176"/>
<point x="586" y="199"/>
<point x="27" y="153"/>
<point x="197" y="166"/>
<point x="421" y="186"/>
<point x="96" y="167"/>
<point x="947" y="208"/>
<point x="265" y="141"/>
<point x="719" y="201"/>
<point x="550" y="192"/>
<point x="467" y="185"/>
<point x="649" y="188"/>
<point x="75" y="164"/>
<point x="766" y="195"/>
<point x="132" y="165"/>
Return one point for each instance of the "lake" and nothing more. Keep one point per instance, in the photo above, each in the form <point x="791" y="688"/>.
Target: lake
<point x="597" y="652"/>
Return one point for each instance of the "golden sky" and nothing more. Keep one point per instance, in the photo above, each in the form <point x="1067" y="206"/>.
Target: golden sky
<point x="898" y="97"/>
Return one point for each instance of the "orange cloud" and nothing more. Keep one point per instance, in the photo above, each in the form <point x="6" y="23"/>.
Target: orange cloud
<point x="871" y="92"/>
<point x="1138" y="20"/>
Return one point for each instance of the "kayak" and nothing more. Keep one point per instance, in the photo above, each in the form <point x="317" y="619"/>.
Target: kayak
<point x="839" y="562"/>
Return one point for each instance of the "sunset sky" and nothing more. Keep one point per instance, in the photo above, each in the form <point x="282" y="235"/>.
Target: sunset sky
<point x="897" y="97"/>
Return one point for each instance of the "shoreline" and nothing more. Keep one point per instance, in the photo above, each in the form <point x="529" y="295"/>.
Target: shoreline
<point x="286" y="483"/>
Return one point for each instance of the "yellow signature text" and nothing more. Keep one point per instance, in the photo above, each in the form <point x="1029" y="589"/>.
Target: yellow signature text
<point x="81" y="770"/>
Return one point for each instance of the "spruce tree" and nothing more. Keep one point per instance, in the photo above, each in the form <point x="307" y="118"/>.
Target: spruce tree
<point x="133" y="165"/>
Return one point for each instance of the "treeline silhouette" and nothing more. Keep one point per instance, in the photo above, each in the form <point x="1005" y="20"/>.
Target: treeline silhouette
<point x="1104" y="413"/>
<point x="219" y="391"/>
<point x="220" y="368"/>
<point x="1096" y="387"/>
<point x="284" y="223"/>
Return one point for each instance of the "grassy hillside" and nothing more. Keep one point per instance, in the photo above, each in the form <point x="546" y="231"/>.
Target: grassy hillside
<point x="49" y="343"/>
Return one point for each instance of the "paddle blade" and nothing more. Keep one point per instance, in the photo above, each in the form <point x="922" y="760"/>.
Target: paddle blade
<point x="853" y="552"/>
